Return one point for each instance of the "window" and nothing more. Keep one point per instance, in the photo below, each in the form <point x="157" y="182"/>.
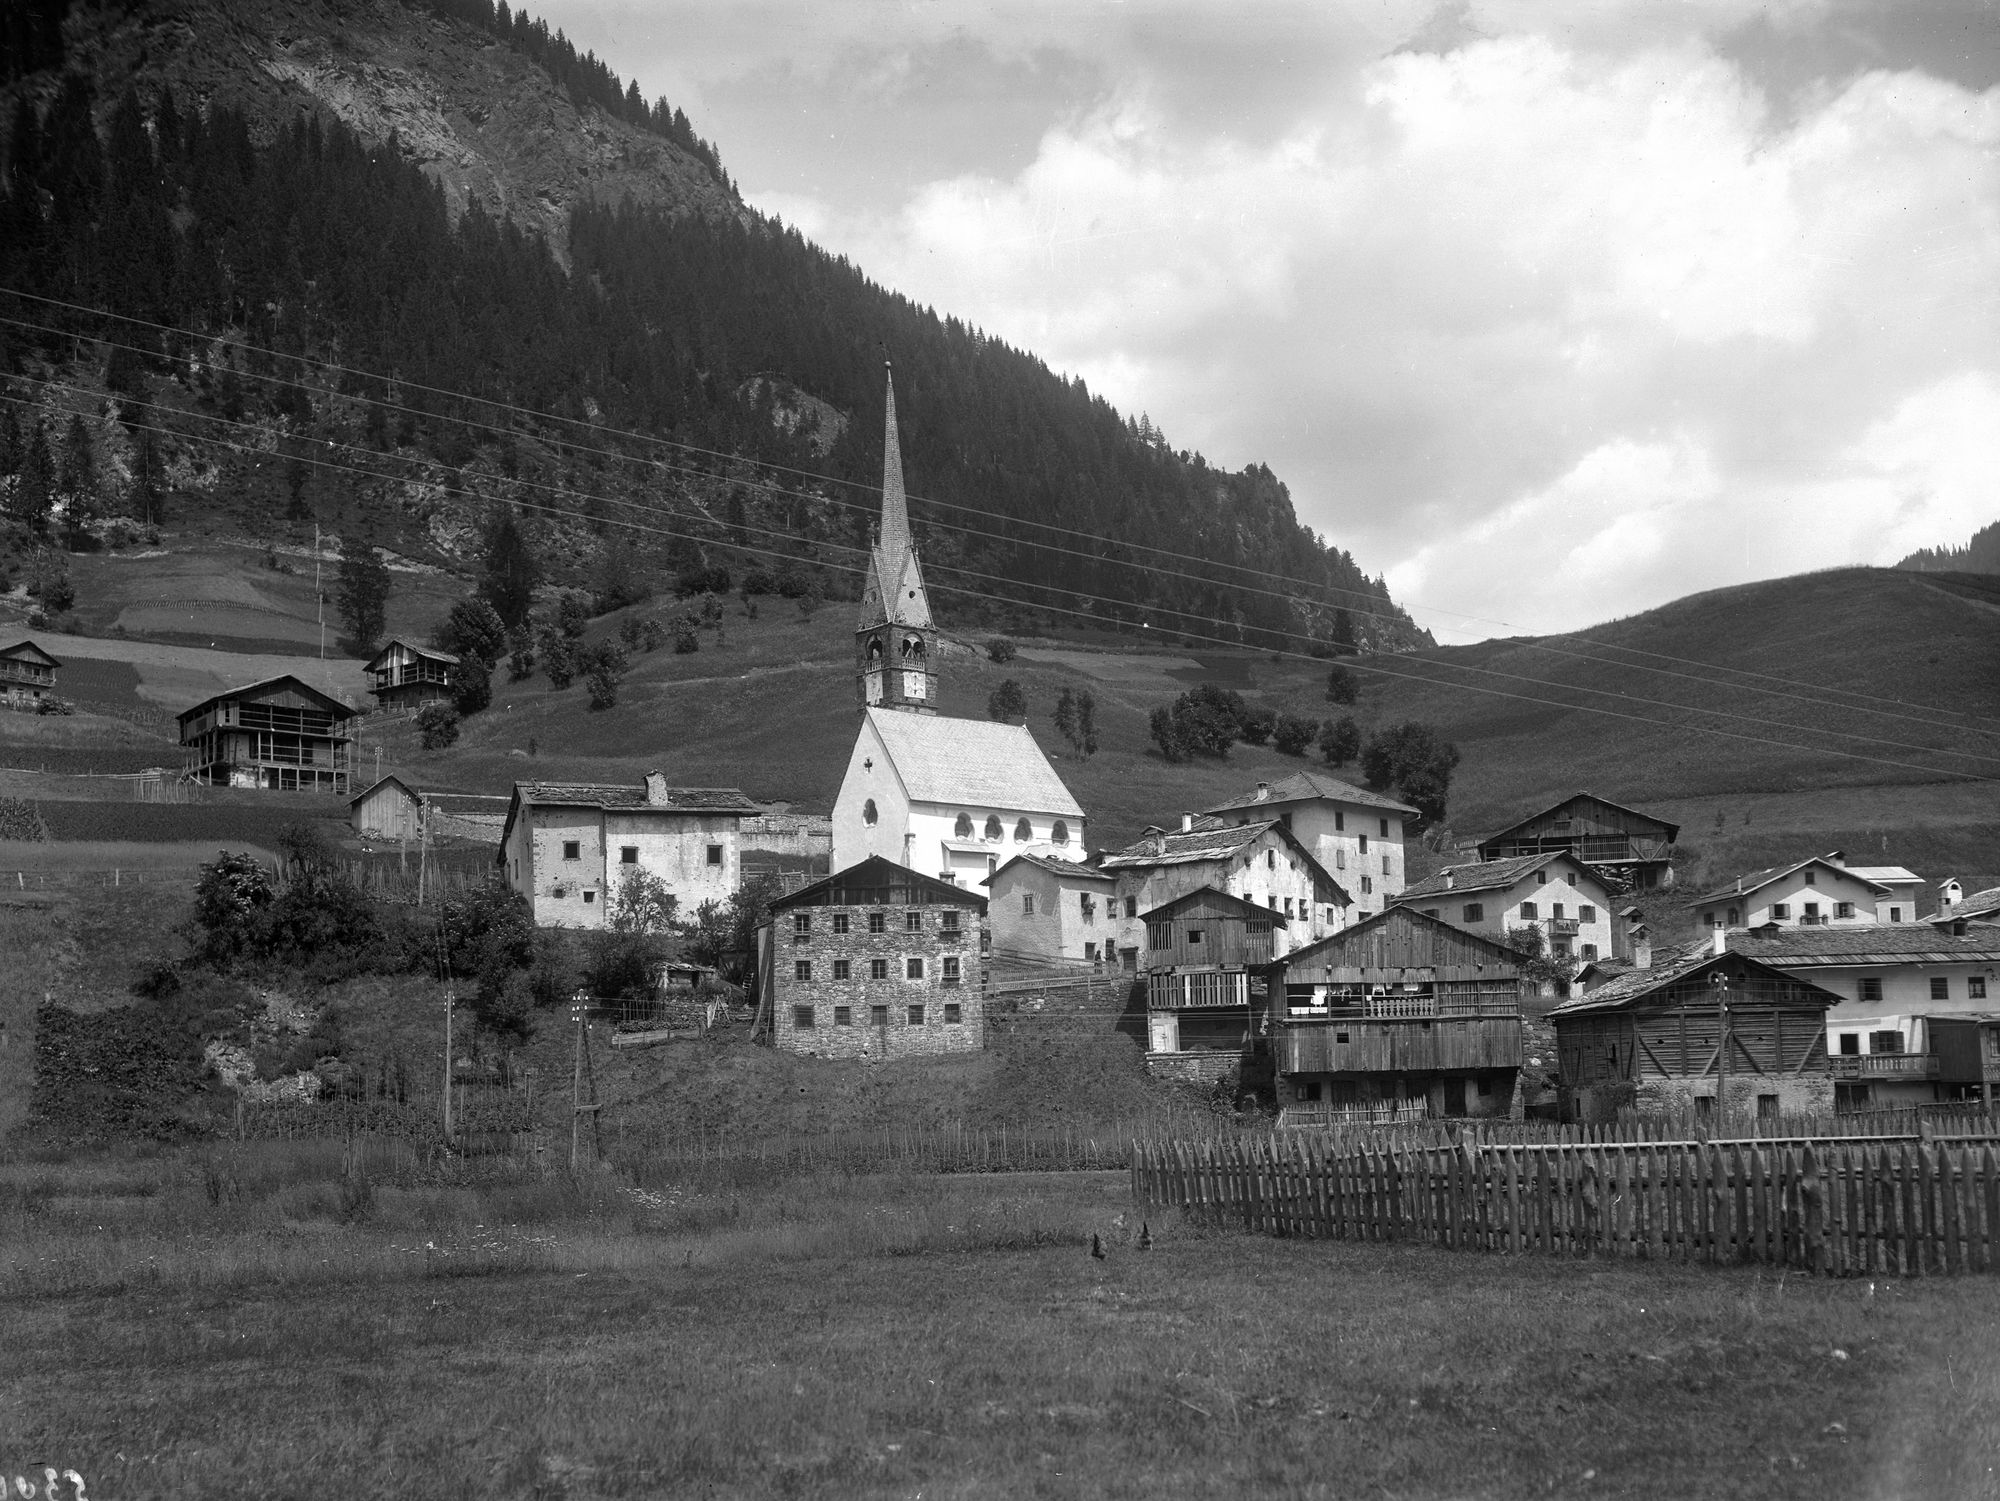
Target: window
<point x="1271" y="901"/>
<point x="802" y="969"/>
<point x="1387" y="868"/>
<point x="951" y="975"/>
<point x="572" y="849"/>
<point x="948" y="919"/>
<point x="963" y="828"/>
<point x="1850" y="1044"/>
<point x="589" y="898"/>
<point x="1474" y="912"/>
<point x="1940" y="988"/>
<point x="951" y="1013"/>
<point x="878" y="922"/>
<point x="1556" y="911"/>
<point x="1485" y="1088"/>
<point x="628" y="854"/>
<point x="1589" y="952"/>
<point x="1367" y="885"/>
<point x="868" y="813"/>
<point x="1871" y="989"/>
<point x="916" y="1016"/>
<point x="1541" y="878"/>
<point x="802" y="924"/>
<point x="843" y="1016"/>
<point x="1339" y="821"/>
<point x="1843" y="909"/>
<point x="993" y="828"/>
<point x="878" y="1016"/>
<point x="1087" y="904"/>
<point x="913" y="921"/>
<point x="1735" y="918"/>
<point x="1812" y="878"/>
<point x="1975" y="987"/>
<point x="842" y="970"/>
<point x="1781" y="910"/>
<point x="1586" y="914"/>
<point x="1364" y="844"/>
<point x="1027" y="904"/>
<point x="1131" y="906"/>
<point x="1309" y="1091"/>
<point x="1767" y="1107"/>
<point x="1385" y="828"/>
<point x="1809" y="914"/>
<point x="1194" y="937"/>
<point x="1090" y="952"/>
<point x="1895" y="914"/>
<point x="1885" y="1042"/>
<point x="913" y="969"/>
<point x="1060" y="833"/>
<point x="878" y="969"/>
<point x="802" y="1018"/>
<point x="840" y="922"/>
<point x="1270" y="859"/>
<point x="1022" y="833"/>
<point x="1288" y="906"/>
<point x="715" y="855"/>
<point x="1340" y="859"/>
<point x="1529" y="911"/>
<point x="1130" y="960"/>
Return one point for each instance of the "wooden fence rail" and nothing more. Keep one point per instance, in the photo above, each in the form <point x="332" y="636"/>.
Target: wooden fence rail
<point x="1836" y="1206"/>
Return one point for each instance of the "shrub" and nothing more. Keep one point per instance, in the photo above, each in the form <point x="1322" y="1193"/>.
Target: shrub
<point x="1417" y="762"/>
<point x="1257" y="725"/>
<point x="653" y="636"/>
<point x="686" y="635"/>
<point x="603" y="670"/>
<point x="472" y="687"/>
<point x="1340" y="741"/>
<point x="1204" y="721"/>
<point x="1342" y="686"/>
<point x="437" y="726"/>
<point x="1007" y="703"/>
<point x="1292" y="734"/>
<point x="558" y="657"/>
<point x="1000" y="650"/>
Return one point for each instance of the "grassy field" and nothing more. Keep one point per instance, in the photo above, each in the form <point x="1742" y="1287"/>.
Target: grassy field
<point x="280" y="1322"/>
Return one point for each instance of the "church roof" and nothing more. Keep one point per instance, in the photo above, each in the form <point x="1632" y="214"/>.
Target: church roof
<point x="972" y="762"/>
<point x="894" y="588"/>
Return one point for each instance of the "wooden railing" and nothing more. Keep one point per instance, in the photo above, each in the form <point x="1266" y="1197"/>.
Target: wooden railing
<point x="1830" y="1206"/>
<point x="1884" y="1065"/>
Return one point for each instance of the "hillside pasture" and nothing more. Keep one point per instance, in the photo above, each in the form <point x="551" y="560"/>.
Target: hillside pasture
<point x="206" y="824"/>
<point x="177" y="676"/>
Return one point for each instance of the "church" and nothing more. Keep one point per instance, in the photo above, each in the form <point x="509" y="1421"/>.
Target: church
<point x="952" y="798"/>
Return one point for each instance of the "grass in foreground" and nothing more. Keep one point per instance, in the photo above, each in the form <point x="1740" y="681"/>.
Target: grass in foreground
<point x="267" y="1323"/>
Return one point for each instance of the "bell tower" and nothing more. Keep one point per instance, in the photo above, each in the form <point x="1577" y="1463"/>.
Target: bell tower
<point x="895" y="642"/>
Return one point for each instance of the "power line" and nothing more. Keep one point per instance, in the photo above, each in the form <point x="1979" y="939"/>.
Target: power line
<point x="1096" y="618"/>
<point x="1929" y="711"/>
<point x="647" y="508"/>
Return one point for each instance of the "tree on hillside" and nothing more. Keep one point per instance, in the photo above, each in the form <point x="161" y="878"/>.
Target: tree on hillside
<point x="1007" y="703"/>
<point x="1342" y="635"/>
<point x="147" y="496"/>
<point x="1342" y="686"/>
<point x="1204" y="721"/>
<point x="35" y="484"/>
<point x="1293" y="734"/>
<point x="1340" y="741"/>
<point x="474" y="632"/>
<point x="471" y="686"/>
<point x="1257" y="725"/>
<point x="603" y="668"/>
<point x="362" y="592"/>
<point x="437" y="726"/>
<point x="1417" y="762"/>
<point x="508" y="576"/>
<point x="78" y="484"/>
<point x="1086" y="723"/>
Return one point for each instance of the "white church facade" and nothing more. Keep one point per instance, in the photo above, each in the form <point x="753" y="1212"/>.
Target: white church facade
<point x="953" y="798"/>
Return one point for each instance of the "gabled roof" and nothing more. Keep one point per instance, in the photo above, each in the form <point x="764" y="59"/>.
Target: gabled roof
<point x="1306" y="786"/>
<point x="972" y="763"/>
<point x="1883" y="874"/>
<point x="1068" y="870"/>
<point x="1980" y="906"/>
<point x="878" y="878"/>
<point x="392" y="780"/>
<point x="1487" y="875"/>
<point x="333" y="705"/>
<point x="23" y="650"/>
<point x="1211" y="840"/>
<point x="624" y="797"/>
<point x="410" y="646"/>
<point x="1212" y="895"/>
<point x="1757" y="880"/>
<point x="1623" y="992"/>
<point x="1501" y="953"/>
<point x="1673" y="829"/>
<point x="1865" y="943"/>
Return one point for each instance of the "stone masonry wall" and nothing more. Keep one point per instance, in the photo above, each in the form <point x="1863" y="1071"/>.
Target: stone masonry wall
<point x="844" y="1023"/>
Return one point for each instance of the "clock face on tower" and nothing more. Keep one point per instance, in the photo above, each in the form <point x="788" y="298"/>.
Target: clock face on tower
<point x="913" y="685"/>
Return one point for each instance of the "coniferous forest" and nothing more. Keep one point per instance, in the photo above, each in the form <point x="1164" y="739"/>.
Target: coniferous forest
<point x="701" y="331"/>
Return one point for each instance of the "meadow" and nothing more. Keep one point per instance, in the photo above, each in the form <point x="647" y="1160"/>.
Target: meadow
<point x="305" y="1319"/>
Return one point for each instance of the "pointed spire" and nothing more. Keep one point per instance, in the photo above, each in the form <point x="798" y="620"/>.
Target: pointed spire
<point x="894" y="588"/>
<point x="894" y="538"/>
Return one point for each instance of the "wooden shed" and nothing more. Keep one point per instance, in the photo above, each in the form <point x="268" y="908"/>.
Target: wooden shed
<point x="406" y="676"/>
<point x="282" y="734"/>
<point x="1626" y="848"/>
<point x="1671" y="1036"/>
<point x="1401" y="1008"/>
<point x="1207" y="962"/>
<point x="27" y="675"/>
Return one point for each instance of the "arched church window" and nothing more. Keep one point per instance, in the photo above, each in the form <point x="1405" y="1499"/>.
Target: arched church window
<point x="993" y="827"/>
<point x="1060" y="833"/>
<point x="963" y="828"/>
<point x="868" y="813"/>
<point x="1022" y="833"/>
<point x="875" y="649"/>
<point x="913" y="646"/>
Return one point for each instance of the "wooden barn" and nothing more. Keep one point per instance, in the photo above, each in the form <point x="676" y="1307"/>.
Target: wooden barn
<point x="1208" y="962"/>
<point x="1672" y="1037"/>
<point x="282" y="734"/>
<point x="1401" y="1010"/>
<point x="27" y="676"/>
<point x="1626" y="849"/>
<point x="405" y="676"/>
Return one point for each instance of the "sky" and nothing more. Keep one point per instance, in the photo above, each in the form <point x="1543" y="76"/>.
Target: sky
<point x="1549" y="312"/>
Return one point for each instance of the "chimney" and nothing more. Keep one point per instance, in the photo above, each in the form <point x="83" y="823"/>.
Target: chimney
<point x="1450" y="880"/>
<point x="1721" y="941"/>
<point x="1187" y="822"/>
<point x="656" y="788"/>
<point x="1837" y="857"/>
<point x="1642" y="952"/>
<point x="1263" y="792"/>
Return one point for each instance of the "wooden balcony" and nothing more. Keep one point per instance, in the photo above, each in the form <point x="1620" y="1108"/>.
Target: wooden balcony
<point x="1887" y="1067"/>
<point x="1563" y="927"/>
<point x="1413" y="1046"/>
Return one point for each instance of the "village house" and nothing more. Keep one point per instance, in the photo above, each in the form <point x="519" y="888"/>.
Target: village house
<point x="565" y="846"/>
<point x="1815" y="892"/>
<point x="1954" y="904"/>
<point x="405" y="676"/>
<point x="1626" y="850"/>
<point x="1402" y="1011"/>
<point x="1263" y="863"/>
<point x="27" y="676"/>
<point x="1208" y="972"/>
<point x="281" y="734"/>
<point x="1670" y="1036"/>
<point x="1048" y="913"/>
<point x="1894" y="983"/>
<point x="1553" y="892"/>
<point x="877" y="961"/>
<point x="949" y="797"/>
<point x="1356" y="834"/>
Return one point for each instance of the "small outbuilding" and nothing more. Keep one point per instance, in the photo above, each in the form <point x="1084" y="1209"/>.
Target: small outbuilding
<point x="27" y="676"/>
<point x="403" y="675"/>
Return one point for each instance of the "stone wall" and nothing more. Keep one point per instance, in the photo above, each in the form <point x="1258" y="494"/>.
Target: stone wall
<point x="829" y="1015"/>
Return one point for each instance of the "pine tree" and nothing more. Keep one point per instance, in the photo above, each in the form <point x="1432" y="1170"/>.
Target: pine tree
<point x="148" y="481"/>
<point x="1086" y="723"/>
<point x="78" y="483"/>
<point x="508" y="581"/>
<point x="35" y="485"/>
<point x="1066" y="715"/>
<point x="363" y="593"/>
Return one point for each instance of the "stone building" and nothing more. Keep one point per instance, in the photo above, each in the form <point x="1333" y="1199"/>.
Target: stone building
<point x="877" y="961"/>
<point x="1356" y="834"/>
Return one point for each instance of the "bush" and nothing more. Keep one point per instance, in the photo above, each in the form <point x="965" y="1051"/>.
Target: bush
<point x="1342" y="686"/>
<point x="1417" y="762"/>
<point x="558" y="657"/>
<point x="603" y="670"/>
<point x="1007" y="703"/>
<point x="472" y="687"/>
<point x="1000" y="650"/>
<point x="1292" y="734"/>
<point x="687" y="636"/>
<point x="437" y="726"/>
<point x="1204" y="721"/>
<point x="1340" y="741"/>
<point x="1257" y="725"/>
<point x="654" y="636"/>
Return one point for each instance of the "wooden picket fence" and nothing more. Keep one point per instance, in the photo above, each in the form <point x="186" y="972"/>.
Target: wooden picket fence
<point x="1840" y="1206"/>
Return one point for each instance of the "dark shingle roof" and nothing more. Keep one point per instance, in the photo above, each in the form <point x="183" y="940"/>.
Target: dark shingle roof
<point x="1074" y="870"/>
<point x="1668" y="965"/>
<point x="1673" y="829"/>
<point x="623" y="796"/>
<point x="1864" y="943"/>
<point x="1304" y="785"/>
<point x="1206" y="841"/>
<point x="1486" y="875"/>
<point x="1979" y="905"/>
<point x="1744" y="885"/>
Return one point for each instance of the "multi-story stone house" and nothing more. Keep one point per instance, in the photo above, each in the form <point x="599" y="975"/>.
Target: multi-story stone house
<point x="1263" y="863"/>
<point x="877" y="961"/>
<point x="565" y="846"/>
<point x="1554" y="892"/>
<point x="1356" y="834"/>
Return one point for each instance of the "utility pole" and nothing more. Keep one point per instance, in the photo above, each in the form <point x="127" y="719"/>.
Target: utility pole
<point x="423" y="847"/>
<point x="319" y="594"/>
<point x="581" y="1079"/>
<point x="1720" y="982"/>
<point x="447" y="1064"/>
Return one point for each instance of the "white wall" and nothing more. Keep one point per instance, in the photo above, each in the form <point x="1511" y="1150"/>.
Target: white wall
<point x="1269" y="868"/>
<point x="1829" y="888"/>
<point x="674" y="848"/>
<point x="1906" y="997"/>
<point x="1347" y="839"/>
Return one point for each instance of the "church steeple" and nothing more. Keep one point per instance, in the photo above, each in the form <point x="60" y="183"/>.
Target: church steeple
<point x="895" y="642"/>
